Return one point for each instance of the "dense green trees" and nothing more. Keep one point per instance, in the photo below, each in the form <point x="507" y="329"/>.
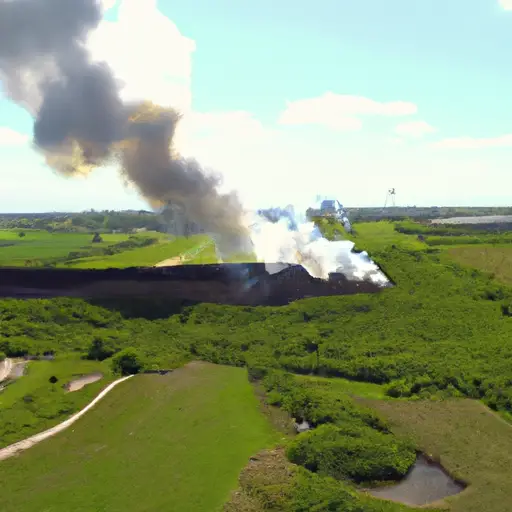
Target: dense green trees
<point x="358" y="454"/>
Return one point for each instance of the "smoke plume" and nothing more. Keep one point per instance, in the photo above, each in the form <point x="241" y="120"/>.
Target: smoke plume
<point x="283" y="236"/>
<point x="81" y="123"/>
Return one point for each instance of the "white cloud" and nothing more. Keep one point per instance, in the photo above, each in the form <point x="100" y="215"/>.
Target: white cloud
<point x="506" y="4"/>
<point x="10" y="137"/>
<point x="147" y="53"/>
<point x="340" y="111"/>
<point x="415" y="129"/>
<point x="502" y="141"/>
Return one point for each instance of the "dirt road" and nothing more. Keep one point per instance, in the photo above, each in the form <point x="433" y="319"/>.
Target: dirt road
<point x="5" y="369"/>
<point x="171" y="262"/>
<point x="184" y="257"/>
<point x="14" y="449"/>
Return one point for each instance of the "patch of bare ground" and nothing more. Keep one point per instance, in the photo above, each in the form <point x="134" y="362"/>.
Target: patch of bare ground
<point x="264" y="482"/>
<point x="171" y="262"/>
<point x="81" y="382"/>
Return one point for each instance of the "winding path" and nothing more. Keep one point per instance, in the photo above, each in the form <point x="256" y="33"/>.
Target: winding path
<point x="14" y="449"/>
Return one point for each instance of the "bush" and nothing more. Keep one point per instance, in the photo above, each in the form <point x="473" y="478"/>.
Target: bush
<point x="358" y="453"/>
<point x="127" y="362"/>
<point x="101" y="349"/>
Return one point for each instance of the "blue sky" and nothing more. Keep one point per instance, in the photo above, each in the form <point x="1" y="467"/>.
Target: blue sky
<point x="292" y="99"/>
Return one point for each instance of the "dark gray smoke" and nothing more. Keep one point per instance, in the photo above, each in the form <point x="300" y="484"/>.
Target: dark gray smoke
<point x="81" y="122"/>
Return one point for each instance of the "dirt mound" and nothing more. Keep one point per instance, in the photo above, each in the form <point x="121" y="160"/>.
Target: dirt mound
<point x="227" y="283"/>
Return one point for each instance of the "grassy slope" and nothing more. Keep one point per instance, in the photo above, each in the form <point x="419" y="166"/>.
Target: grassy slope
<point x="174" y="442"/>
<point x="471" y="442"/>
<point x="48" y="404"/>
<point x="348" y="387"/>
<point x="496" y="260"/>
<point x="145" y="256"/>
<point x="41" y="245"/>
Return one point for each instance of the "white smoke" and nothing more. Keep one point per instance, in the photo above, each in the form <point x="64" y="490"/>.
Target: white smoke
<point x="300" y="242"/>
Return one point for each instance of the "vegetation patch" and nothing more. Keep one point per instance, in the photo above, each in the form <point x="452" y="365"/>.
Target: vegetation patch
<point x="38" y="248"/>
<point x="470" y="441"/>
<point x="319" y="470"/>
<point x="494" y="260"/>
<point x="271" y="482"/>
<point x="140" y="257"/>
<point x="174" y="442"/>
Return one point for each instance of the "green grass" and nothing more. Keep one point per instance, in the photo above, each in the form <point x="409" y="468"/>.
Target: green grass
<point x="145" y="256"/>
<point x="32" y="404"/>
<point x="41" y="245"/>
<point x="174" y="442"/>
<point x="495" y="260"/>
<point x="348" y="387"/>
<point x="382" y="234"/>
<point x="473" y="443"/>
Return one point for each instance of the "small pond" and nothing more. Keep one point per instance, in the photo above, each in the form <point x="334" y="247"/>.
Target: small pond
<point x="81" y="382"/>
<point x="425" y="483"/>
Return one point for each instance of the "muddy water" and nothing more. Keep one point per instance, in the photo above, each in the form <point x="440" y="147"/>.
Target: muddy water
<point x="425" y="483"/>
<point x="81" y="382"/>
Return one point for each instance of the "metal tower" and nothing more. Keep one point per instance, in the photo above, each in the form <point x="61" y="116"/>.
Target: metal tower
<point x="391" y="197"/>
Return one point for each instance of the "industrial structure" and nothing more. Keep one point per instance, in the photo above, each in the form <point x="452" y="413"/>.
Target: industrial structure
<point x="390" y="198"/>
<point x="331" y="208"/>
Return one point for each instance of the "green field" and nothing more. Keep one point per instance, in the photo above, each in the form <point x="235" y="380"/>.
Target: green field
<point x="474" y="444"/>
<point x="32" y="404"/>
<point x="494" y="260"/>
<point x="174" y="442"/>
<point x="41" y="245"/>
<point x="145" y="256"/>
<point x="347" y="387"/>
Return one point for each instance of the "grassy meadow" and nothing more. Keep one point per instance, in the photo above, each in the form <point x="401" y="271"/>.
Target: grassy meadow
<point x="76" y="250"/>
<point x="494" y="260"/>
<point x="174" y="442"/>
<point x="39" y="245"/>
<point x="144" y="256"/>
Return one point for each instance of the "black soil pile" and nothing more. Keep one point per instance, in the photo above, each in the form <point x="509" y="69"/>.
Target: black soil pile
<point x="230" y="283"/>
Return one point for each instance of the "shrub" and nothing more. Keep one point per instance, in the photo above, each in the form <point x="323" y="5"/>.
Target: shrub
<point x="361" y="454"/>
<point x="101" y="349"/>
<point x="127" y="362"/>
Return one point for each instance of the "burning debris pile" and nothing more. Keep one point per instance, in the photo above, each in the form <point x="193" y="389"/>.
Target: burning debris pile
<point x="287" y="239"/>
<point x="236" y="284"/>
<point x="81" y="123"/>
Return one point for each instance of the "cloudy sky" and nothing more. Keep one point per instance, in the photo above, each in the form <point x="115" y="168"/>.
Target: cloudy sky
<point x="293" y="99"/>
